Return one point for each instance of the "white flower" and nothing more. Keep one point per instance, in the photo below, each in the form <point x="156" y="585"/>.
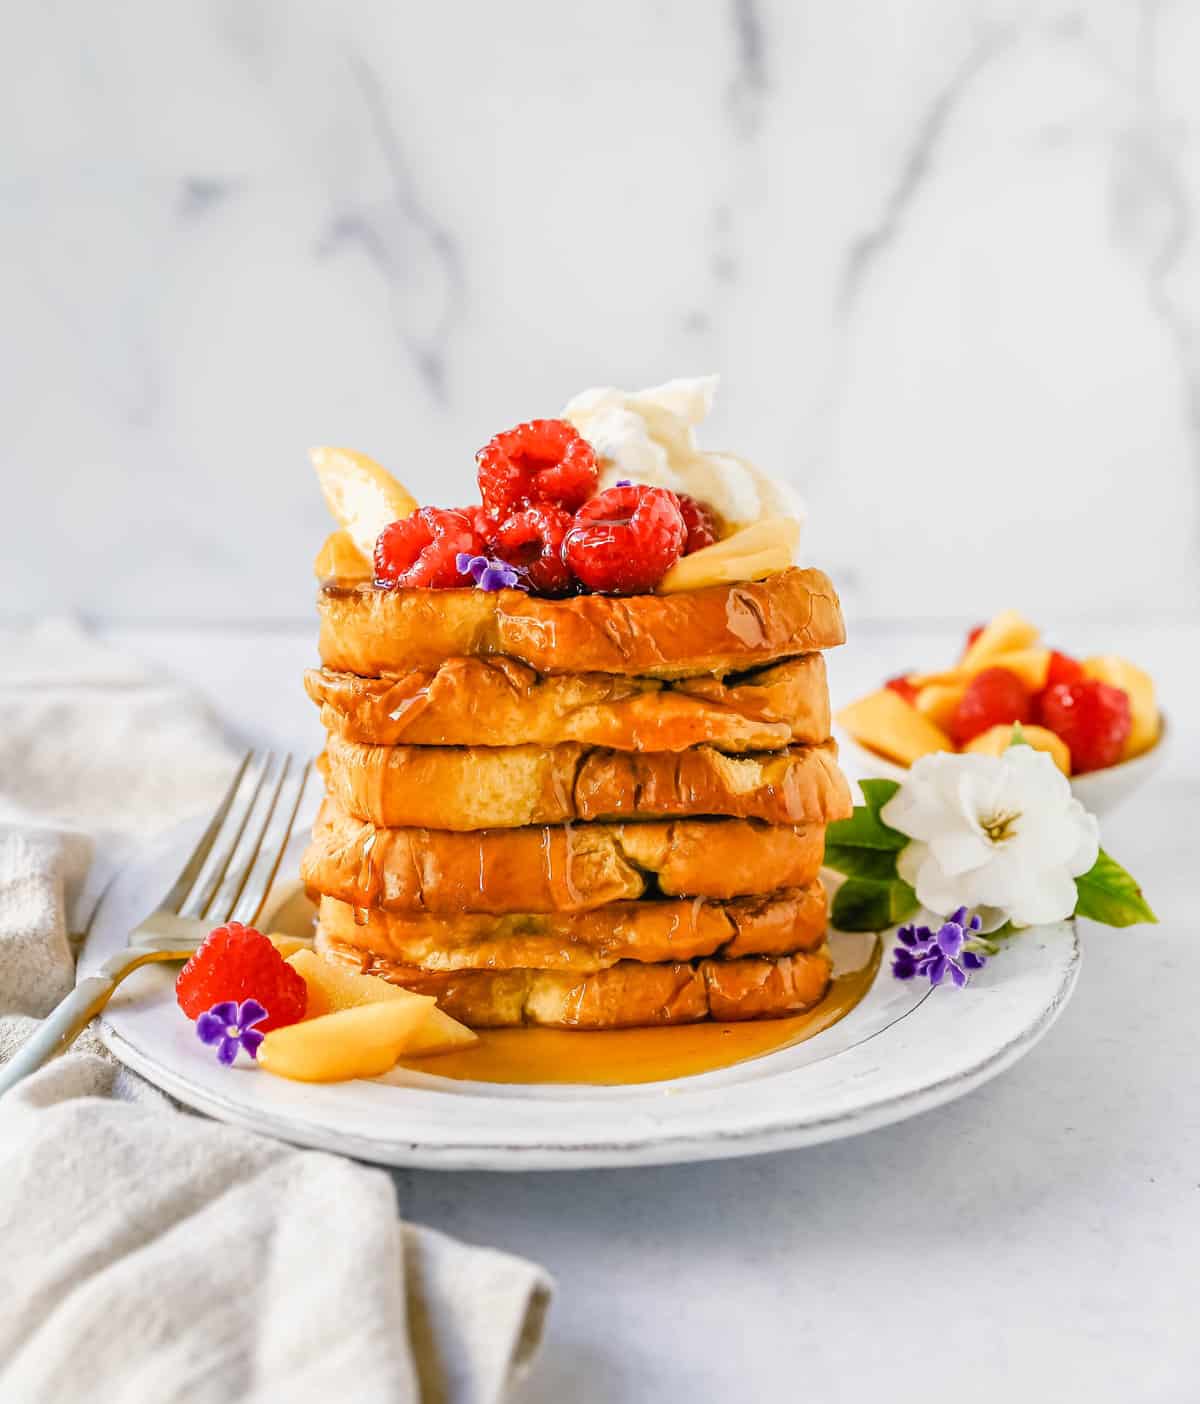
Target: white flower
<point x="993" y="831"/>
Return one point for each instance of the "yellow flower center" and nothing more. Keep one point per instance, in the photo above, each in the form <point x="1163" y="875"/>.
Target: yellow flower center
<point x="1000" y="827"/>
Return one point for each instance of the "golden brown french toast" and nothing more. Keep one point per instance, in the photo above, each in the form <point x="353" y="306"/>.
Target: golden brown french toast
<point x="505" y="787"/>
<point x="651" y="930"/>
<point x="629" y="994"/>
<point x="500" y="702"/>
<point x="548" y="868"/>
<point x="717" y="630"/>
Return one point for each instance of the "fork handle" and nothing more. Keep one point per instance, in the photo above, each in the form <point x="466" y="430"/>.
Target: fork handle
<point x="65" y="1022"/>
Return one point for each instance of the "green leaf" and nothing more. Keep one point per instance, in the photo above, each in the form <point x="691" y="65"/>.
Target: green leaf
<point x="863" y="905"/>
<point x="865" y="830"/>
<point x="1108" y="894"/>
<point x="877" y="864"/>
<point x="1018" y="737"/>
<point x="878" y="792"/>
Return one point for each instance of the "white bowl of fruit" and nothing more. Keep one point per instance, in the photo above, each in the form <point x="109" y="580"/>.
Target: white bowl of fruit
<point x="1098" y="717"/>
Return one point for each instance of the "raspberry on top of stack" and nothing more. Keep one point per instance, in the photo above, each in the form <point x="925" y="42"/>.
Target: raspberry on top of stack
<point x="579" y="765"/>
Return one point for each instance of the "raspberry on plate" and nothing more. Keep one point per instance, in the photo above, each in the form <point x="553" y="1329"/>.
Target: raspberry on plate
<point x="625" y="539"/>
<point x="236" y="962"/>
<point x="1093" y="718"/>
<point x="546" y="461"/>
<point x="900" y="684"/>
<point x="531" y="539"/>
<point x="993" y="697"/>
<point x="699" y="521"/>
<point x="420" y="550"/>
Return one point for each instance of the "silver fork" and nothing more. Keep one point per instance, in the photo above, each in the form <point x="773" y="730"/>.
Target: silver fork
<point x="227" y="878"/>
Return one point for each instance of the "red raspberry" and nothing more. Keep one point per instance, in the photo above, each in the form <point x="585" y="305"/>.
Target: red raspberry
<point x="420" y="550"/>
<point x="1092" y="717"/>
<point x="993" y="697"/>
<point x="901" y="684"/>
<point x="483" y="523"/>
<point x="626" y="539"/>
<point x="544" y="461"/>
<point x="236" y="962"/>
<point x="700" y="521"/>
<point x="532" y="540"/>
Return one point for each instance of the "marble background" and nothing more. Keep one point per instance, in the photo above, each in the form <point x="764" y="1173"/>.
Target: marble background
<point x="943" y="252"/>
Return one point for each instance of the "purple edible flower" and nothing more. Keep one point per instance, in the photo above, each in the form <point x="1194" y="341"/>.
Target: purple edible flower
<point x="623" y="482"/>
<point x="488" y="572"/>
<point x="230" y="1026"/>
<point x="934" y="955"/>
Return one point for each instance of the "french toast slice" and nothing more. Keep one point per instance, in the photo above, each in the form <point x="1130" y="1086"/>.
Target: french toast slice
<point x="630" y="994"/>
<point x="553" y="868"/>
<point x="716" y="630"/>
<point x="662" y="929"/>
<point x="500" y="702"/>
<point x="505" y="787"/>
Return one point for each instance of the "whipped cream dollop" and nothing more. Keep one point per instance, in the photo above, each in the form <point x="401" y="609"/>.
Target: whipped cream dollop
<point x="649" y="436"/>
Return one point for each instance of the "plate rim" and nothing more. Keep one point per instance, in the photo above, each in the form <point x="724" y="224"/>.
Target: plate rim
<point x="659" y="1145"/>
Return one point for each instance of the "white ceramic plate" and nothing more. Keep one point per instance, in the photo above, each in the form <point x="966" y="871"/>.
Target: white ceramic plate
<point x="903" y="1049"/>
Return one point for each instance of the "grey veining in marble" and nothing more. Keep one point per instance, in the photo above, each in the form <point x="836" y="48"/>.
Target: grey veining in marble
<point x="944" y="255"/>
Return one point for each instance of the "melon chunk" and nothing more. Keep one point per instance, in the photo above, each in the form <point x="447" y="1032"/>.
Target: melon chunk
<point x="365" y="1041"/>
<point x="1139" y="686"/>
<point x="1031" y="665"/>
<point x="997" y="739"/>
<point x="885" y="722"/>
<point x="340" y="559"/>
<point x="1008" y="632"/>
<point x="939" y="702"/>
<point x="362" y="495"/>
<point x="332" y="988"/>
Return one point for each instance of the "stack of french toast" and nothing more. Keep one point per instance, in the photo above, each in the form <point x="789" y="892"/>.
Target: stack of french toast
<point x="593" y="811"/>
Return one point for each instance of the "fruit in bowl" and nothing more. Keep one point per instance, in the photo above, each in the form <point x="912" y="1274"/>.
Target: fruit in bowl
<point x="1089" y="715"/>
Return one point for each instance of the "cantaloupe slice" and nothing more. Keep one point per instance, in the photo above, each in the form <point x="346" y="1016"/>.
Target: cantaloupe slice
<point x="885" y="722"/>
<point x="1031" y="665"/>
<point x="997" y="739"/>
<point x="332" y="988"/>
<point x="1143" y="705"/>
<point x="340" y="559"/>
<point x="362" y="495"/>
<point x="762" y="549"/>
<point x="361" y="1042"/>
<point x="1008" y="632"/>
<point x="939" y="701"/>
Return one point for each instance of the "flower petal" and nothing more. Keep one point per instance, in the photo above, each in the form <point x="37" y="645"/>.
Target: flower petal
<point x="950" y="939"/>
<point x="962" y="851"/>
<point x="227" y="1051"/>
<point x="1045" y="897"/>
<point x="251" y="1041"/>
<point x="226" y="1011"/>
<point x="210" y="1028"/>
<point x="904" y="967"/>
<point x="957" y="974"/>
<point x="250" y="1012"/>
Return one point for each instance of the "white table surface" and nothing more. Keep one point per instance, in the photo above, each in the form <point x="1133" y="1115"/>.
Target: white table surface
<point x="1039" y="1240"/>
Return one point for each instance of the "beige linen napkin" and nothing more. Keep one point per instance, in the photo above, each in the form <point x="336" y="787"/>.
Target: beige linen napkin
<point x="146" y="1253"/>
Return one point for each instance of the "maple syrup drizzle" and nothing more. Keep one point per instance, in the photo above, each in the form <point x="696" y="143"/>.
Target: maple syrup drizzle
<point x="623" y="1056"/>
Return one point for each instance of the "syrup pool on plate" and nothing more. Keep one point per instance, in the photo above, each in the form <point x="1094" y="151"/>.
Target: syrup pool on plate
<point x="614" y="1057"/>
